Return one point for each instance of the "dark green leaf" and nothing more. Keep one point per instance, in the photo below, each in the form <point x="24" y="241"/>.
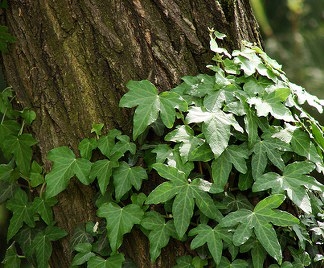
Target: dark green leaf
<point x="22" y="212"/>
<point x="125" y="177"/>
<point x="119" y="221"/>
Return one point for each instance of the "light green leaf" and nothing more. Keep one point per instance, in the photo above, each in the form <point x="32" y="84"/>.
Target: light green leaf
<point x="36" y="177"/>
<point x="203" y="200"/>
<point x="144" y="95"/>
<point x="125" y="177"/>
<point x="168" y="102"/>
<point x="22" y="212"/>
<point x="65" y="166"/>
<point x="300" y="142"/>
<point x="200" y="85"/>
<point x="216" y="127"/>
<point x="107" y="142"/>
<point x="121" y="147"/>
<point x="82" y="169"/>
<point x="102" y="170"/>
<point x="83" y="255"/>
<point x="269" y="240"/>
<point x="160" y="232"/>
<point x="293" y="181"/>
<point x="119" y="221"/>
<point x="86" y="146"/>
<point x="170" y="173"/>
<point x="272" y="103"/>
<point x="189" y="143"/>
<point x="114" y="261"/>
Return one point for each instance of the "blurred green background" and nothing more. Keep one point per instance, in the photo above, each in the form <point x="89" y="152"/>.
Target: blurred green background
<point x="293" y="32"/>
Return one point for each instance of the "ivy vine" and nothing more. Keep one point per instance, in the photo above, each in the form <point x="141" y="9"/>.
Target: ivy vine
<point x="236" y="153"/>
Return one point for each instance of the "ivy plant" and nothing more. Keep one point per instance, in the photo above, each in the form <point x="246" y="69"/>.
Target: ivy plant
<point x="236" y="158"/>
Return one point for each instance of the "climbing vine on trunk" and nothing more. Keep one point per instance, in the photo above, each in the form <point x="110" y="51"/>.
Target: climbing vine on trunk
<point x="234" y="154"/>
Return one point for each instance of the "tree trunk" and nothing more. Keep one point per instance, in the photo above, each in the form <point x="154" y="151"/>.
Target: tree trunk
<point x="72" y="60"/>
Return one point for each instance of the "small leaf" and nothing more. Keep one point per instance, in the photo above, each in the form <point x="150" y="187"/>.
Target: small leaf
<point x="43" y="208"/>
<point x="160" y="232"/>
<point x="96" y="128"/>
<point x="22" y="212"/>
<point x="119" y="221"/>
<point x="102" y="170"/>
<point x="20" y="147"/>
<point x="213" y="237"/>
<point x="11" y="259"/>
<point x="86" y="146"/>
<point x="125" y="177"/>
<point x="114" y="261"/>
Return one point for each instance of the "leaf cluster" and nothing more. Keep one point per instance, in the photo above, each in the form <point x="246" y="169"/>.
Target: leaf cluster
<point x="226" y="162"/>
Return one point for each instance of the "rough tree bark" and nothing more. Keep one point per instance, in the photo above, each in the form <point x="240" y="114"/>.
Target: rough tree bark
<point x="72" y="60"/>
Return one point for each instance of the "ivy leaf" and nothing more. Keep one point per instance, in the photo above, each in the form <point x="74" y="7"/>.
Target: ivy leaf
<point x="20" y="147"/>
<point x="107" y="142"/>
<point x="212" y="237"/>
<point x="186" y="194"/>
<point x="114" y="261"/>
<point x="43" y="208"/>
<point x="190" y="144"/>
<point x="65" y="166"/>
<point x="41" y="244"/>
<point x="268" y="148"/>
<point x="22" y="212"/>
<point x="272" y="103"/>
<point x="303" y="96"/>
<point x="119" y="221"/>
<point x="125" y="177"/>
<point x="144" y="95"/>
<point x="258" y="253"/>
<point x="160" y="232"/>
<point x="83" y="255"/>
<point x="102" y="170"/>
<point x="11" y="259"/>
<point x="121" y="147"/>
<point x="293" y="181"/>
<point x="216" y="126"/>
<point x="86" y="146"/>
<point x="36" y="177"/>
<point x="260" y="220"/>
<point x="238" y="263"/>
<point x="222" y="166"/>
